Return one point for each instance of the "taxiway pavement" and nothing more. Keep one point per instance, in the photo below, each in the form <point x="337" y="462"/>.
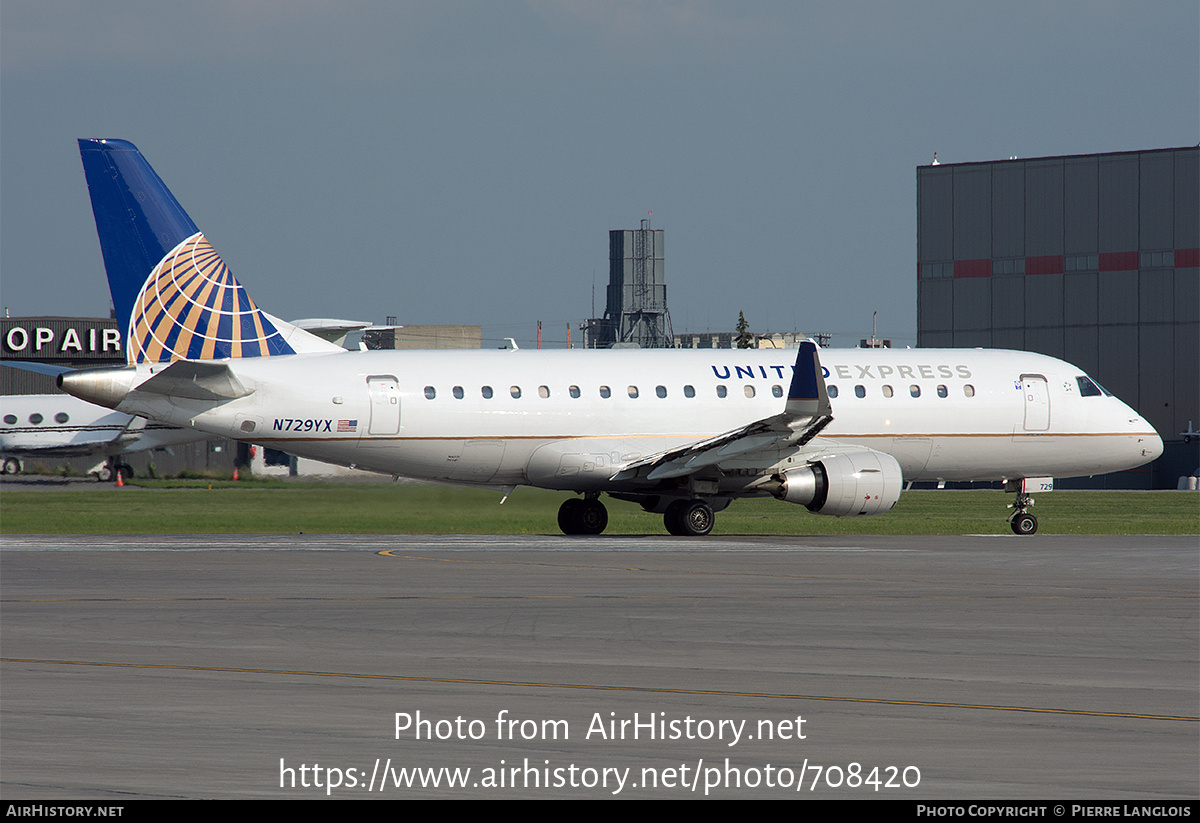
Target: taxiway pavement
<point x="972" y="667"/>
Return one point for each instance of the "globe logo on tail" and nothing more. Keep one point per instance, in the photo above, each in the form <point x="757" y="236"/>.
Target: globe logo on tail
<point x="193" y="308"/>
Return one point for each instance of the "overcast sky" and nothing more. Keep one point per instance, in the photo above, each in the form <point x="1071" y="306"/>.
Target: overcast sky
<point x="463" y="162"/>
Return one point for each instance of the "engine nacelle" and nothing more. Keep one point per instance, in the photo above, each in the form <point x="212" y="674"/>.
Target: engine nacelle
<point x="850" y="483"/>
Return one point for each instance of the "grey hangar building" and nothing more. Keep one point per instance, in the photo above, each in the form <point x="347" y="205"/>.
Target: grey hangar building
<point x="1093" y="259"/>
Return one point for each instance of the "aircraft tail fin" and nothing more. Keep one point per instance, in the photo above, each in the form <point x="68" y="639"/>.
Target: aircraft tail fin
<point x="174" y="297"/>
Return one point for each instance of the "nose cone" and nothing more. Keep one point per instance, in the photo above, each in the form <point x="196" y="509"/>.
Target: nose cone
<point x="1147" y="444"/>
<point x="104" y="387"/>
<point x="1152" y="447"/>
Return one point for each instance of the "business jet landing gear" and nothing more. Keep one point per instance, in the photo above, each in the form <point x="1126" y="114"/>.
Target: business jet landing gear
<point x="12" y="465"/>
<point x="587" y="516"/>
<point x="112" y="468"/>
<point x="689" y="518"/>
<point x="1022" y="521"/>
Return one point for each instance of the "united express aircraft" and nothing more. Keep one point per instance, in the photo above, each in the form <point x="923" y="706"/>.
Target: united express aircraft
<point x="683" y="433"/>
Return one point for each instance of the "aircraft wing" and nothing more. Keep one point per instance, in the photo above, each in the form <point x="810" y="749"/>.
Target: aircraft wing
<point x="805" y="414"/>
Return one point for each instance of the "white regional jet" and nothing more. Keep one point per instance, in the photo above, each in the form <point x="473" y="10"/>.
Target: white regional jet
<point x="58" y="425"/>
<point x="683" y="433"/>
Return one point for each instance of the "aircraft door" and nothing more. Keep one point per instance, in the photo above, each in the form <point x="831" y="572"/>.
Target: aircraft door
<point x="1037" y="402"/>
<point x="385" y="404"/>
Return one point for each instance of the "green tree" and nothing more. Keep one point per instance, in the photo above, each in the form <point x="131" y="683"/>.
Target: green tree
<point x="745" y="340"/>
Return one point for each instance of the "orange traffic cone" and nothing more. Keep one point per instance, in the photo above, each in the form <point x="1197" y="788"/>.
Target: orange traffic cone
<point x="120" y="479"/>
<point x="235" y="474"/>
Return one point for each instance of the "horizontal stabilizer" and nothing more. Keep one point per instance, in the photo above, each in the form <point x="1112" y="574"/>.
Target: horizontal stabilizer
<point x="39" y="368"/>
<point x="196" y="380"/>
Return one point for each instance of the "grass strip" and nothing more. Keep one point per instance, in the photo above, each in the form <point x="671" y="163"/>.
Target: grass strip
<point x="273" y="507"/>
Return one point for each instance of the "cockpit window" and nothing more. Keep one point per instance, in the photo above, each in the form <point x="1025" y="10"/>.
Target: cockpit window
<point x="1087" y="387"/>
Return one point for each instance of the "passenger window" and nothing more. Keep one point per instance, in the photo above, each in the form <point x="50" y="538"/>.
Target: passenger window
<point x="10" y="419"/>
<point x="35" y="418"/>
<point x="722" y="391"/>
<point x="515" y="391"/>
<point x="661" y="391"/>
<point x="943" y="391"/>
<point x="914" y="390"/>
<point x="860" y="390"/>
<point x="457" y="391"/>
<point x="486" y="391"/>
<point x="969" y="390"/>
<point x="777" y="391"/>
<point x="605" y="392"/>
<point x="633" y="392"/>
<point x="543" y="392"/>
<point x="573" y="391"/>
<point x="430" y="392"/>
<point x="831" y="391"/>
<point x="887" y="391"/>
<point x="749" y="391"/>
<point x="689" y="391"/>
<point x="61" y="417"/>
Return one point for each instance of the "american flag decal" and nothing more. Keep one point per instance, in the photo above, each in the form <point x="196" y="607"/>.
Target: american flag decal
<point x="347" y="425"/>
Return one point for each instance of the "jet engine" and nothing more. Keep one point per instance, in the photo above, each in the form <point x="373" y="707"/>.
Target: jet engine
<point x="848" y="483"/>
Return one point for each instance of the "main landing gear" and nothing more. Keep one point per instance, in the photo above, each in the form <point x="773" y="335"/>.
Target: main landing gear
<point x="111" y="468"/>
<point x="683" y="518"/>
<point x="1022" y="521"/>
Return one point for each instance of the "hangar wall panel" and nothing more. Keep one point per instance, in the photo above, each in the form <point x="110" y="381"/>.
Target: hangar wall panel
<point x="1043" y="208"/>
<point x="1187" y="199"/>
<point x="1118" y="214"/>
<point x="1118" y="297"/>
<point x="972" y="214"/>
<point x="1080" y="295"/>
<point x="1008" y="211"/>
<point x="1081" y="199"/>
<point x="1044" y="300"/>
<point x="1187" y="366"/>
<point x="935" y="218"/>
<point x="972" y="304"/>
<point x="1156" y="201"/>
<point x="1008" y="302"/>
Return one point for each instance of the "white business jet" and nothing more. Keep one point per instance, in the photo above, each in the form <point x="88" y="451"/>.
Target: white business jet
<point x="683" y="433"/>
<point x="58" y="425"/>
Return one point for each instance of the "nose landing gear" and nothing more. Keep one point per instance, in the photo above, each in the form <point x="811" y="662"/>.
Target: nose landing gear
<point x="1022" y="522"/>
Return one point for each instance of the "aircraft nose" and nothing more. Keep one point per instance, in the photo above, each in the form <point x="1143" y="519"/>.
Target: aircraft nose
<point x="1149" y="444"/>
<point x="1152" y="448"/>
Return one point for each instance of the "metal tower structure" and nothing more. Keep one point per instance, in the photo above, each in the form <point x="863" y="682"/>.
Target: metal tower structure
<point x="636" y="311"/>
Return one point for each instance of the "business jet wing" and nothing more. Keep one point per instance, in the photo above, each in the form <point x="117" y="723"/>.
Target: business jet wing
<point x="805" y="414"/>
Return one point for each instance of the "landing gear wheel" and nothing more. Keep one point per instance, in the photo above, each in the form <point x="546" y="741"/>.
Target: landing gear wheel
<point x="12" y="465"/>
<point x="567" y="515"/>
<point x="1024" y="523"/>
<point x="591" y="517"/>
<point x="105" y="474"/>
<point x="691" y="518"/>
<point x="577" y="516"/>
<point x="671" y="518"/>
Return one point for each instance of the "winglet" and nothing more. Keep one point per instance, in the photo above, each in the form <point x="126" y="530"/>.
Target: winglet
<point x="807" y="395"/>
